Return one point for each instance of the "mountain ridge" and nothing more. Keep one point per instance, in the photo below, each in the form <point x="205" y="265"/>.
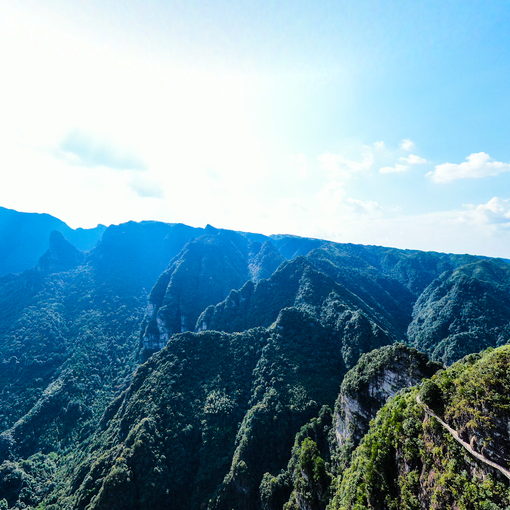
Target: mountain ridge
<point x="235" y="400"/>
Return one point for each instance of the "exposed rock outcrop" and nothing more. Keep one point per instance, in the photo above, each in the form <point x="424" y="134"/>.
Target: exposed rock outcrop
<point x="377" y="376"/>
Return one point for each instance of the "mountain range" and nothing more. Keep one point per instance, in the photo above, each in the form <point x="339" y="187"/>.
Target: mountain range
<point x="150" y="366"/>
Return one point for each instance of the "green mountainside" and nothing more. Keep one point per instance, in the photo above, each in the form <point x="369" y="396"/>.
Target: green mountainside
<point x="463" y="311"/>
<point x="409" y="460"/>
<point x="170" y="367"/>
<point x="222" y="409"/>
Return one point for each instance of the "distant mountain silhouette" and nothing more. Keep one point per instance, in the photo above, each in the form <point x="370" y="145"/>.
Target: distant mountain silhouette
<point x="24" y="237"/>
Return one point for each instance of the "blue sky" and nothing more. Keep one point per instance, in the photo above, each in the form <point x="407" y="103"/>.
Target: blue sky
<point x="357" y="121"/>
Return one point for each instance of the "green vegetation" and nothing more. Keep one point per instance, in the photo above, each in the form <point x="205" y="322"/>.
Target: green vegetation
<point x="237" y="412"/>
<point x="308" y="474"/>
<point x="222" y="409"/>
<point x="408" y="461"/>
<point x="377" y="376"/>
<point x="463" y="311"/>
<point x="311" y="479"/>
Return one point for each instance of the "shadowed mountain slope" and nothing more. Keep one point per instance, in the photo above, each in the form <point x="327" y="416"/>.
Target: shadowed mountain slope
<point x="202" y="274"/>
<point x="24" y="237"/>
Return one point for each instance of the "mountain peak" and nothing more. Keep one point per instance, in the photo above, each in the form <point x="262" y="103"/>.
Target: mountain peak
<point x="60" y="256"/>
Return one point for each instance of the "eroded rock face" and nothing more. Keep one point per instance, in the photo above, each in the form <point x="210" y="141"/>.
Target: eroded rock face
<point x="323" y="447"/>
<point x="498" y="449"/>
<point x="377" y="376"/>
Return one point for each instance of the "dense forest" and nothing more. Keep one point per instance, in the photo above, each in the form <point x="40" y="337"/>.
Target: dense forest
<point x="159" y="366"/>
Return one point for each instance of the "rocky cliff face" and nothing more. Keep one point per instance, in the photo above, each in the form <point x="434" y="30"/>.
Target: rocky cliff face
<point x="202" y="273"/>
<point x="377" y="376"/>
<point x="323" y="446"/>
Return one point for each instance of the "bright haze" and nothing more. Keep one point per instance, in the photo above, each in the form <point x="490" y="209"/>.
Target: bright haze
<point x="357" y="121"/>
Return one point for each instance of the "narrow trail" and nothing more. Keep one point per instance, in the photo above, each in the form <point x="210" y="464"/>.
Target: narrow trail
<point x="463" y="443"/>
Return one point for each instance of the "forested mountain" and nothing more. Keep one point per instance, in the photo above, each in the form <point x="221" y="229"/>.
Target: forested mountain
<point x="163" y="366"/>
<point x="463" y="311"/>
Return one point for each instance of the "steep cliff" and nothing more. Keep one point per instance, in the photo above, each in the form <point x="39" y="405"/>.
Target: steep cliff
<point x="322" y="448"/>
<point x="377" y="376"/>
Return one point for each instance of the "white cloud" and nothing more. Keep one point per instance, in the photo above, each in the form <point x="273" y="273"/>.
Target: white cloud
<point x="476" y="166"/>
<point x="331" y="213"/>
<point x="495" y="212"/>
<point x="397" y="168"/>
<point x="389" y="160"/>
<point x="340" y="167"/>
<point x="407" y="145"/>
<point x="85" y="149"/>
<point x="404" y="163"/>
<point x="364" y="207"/>
<point x="145" y="186"/>
<point x="413" y="159"/>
